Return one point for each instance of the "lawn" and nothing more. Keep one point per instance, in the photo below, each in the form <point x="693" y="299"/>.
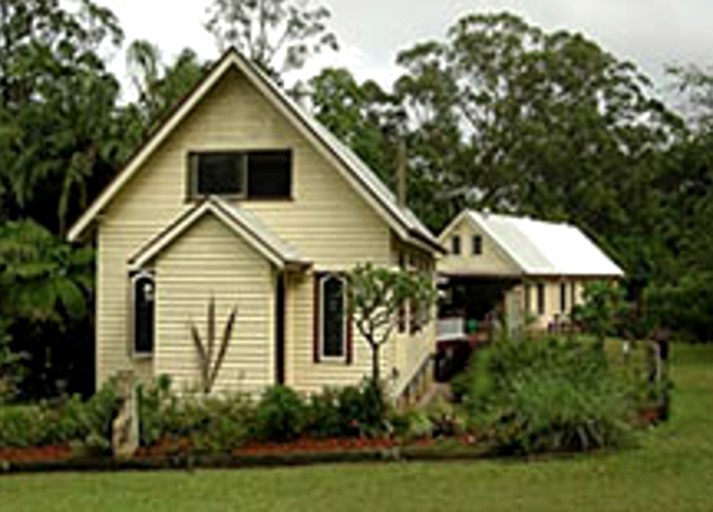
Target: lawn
<point x="671" y="470"/>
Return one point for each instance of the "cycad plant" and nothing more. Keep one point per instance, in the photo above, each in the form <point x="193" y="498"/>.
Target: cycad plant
<point x="209" y="360"/>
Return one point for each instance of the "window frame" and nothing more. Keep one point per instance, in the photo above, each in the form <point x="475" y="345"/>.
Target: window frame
<point x="192" y="194"/>
<point x="319" y="305"/>
<point x="133" y="279"/>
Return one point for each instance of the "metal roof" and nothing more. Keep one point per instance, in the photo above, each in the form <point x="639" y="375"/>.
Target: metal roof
<point x="546" y="248"/>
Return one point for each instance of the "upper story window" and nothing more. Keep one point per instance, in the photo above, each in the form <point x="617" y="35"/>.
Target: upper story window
<point x="241" y="174"/>
<point x="477" y="245"/>
<point x="143" y="293"/>
<point x="455" y="245"/>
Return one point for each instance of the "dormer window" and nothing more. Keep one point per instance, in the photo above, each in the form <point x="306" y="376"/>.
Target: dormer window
<point x="477" y="242"/>
<point x="455" y="245"/>
<point x="241" y="174"/>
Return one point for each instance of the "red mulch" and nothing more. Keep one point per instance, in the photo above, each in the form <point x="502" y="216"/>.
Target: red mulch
<point x="36" y="454"/>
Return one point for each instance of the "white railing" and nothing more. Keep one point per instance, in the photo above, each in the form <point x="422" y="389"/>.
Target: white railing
<point x="450" y="328"/>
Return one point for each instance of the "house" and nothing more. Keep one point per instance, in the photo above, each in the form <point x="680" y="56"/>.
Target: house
<point x="530" y="270"/>
<point x="241" y="196"/>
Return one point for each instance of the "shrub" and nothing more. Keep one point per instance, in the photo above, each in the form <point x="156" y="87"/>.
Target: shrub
<point x="63" y="422"/>
<point x="362" y="409"/>
<point x="280" y="415"/>
<point x="323" y="417"/>
<point x="546" y="396"/>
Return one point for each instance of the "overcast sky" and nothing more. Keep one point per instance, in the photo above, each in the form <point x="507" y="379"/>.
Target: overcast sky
<point x="652" y="33"/>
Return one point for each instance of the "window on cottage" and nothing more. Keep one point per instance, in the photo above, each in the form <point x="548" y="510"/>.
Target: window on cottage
<point x="221" y="174"/>
<point x="477" y="243"/>
<point x="528" y="305"/>
<point x="241" y="174"/>
<point x="332" y="317"/>
<point x="269" y="174"/>
<point x="143" y="302"/>
<point x="540" y="299"/>
<point x="455" y="245"/>
<point x="563" y="297"/>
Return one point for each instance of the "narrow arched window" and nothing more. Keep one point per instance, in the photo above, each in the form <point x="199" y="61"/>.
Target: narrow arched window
<point x="143" y="303"/>
<point x="332" y="317"/>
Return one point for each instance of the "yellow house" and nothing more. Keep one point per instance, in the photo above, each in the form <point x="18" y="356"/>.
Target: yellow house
<point x="241" y="196"/>
<point x="531" y="270"/>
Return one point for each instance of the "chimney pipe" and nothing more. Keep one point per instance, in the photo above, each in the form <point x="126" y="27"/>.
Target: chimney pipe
<point x="401" y="184"/>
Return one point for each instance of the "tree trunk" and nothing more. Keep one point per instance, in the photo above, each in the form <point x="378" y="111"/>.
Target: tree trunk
<point x="375" y="365"/>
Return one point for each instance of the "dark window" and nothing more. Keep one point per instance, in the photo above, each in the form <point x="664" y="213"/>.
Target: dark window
<point x="477" y="245"/>
<point x="241" y="174"/>
<point x="269" y="174"/>
<point x="563" y="297"/>
<point x="144" y="291"/>
<point x="332" y="325"/>
<point x="541" y="299"/>
<point x="455" y="245"/>
<point x="402" y="307"/>
<point x="218" y="174"/>
<point x="528" y="300"/>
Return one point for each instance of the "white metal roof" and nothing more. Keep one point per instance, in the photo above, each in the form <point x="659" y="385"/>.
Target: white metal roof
<point x="546" y="248"/>
<point x="402" y="220"/>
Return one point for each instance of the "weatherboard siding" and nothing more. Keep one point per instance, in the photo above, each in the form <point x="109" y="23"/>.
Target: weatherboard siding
<point x="492" y="261"/>
<point x="210" y="261"/>
<point x="326" y="221"/>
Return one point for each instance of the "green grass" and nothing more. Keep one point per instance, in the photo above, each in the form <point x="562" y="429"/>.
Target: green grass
<point x="672" y="470"/>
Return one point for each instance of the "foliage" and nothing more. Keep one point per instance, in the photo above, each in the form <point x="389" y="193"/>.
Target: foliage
<point x="159" y="86"/>
<point x="280" y="414"/>
<point x="376" y="295"/>
<point x="362" y="115"/>
<point x="278" y="35"/>
<point x="685" y="307"/>
<point x="209" y="360"/>
<point x="601" y="310"/>
<point x="546" y="396"/>
<point x="71" y="420"/>
<point x="215" y="424"/>
<point x="511" y="117"/>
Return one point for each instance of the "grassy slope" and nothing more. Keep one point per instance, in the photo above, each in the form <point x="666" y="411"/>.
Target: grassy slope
<point x="671" y="471"/>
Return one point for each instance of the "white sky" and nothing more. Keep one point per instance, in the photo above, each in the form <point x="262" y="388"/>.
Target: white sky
<point x="652" y="33"/>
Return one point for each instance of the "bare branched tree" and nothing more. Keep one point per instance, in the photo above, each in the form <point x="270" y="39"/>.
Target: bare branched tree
<point x="278" y="35"/>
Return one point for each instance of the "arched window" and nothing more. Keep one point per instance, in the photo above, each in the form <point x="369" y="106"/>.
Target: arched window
<point x="332" y="321"/>
<point x="143" y="293"/>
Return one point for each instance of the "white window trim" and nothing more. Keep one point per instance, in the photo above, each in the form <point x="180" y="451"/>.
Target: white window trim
<point x="345" y="333"/>
<point x="132" y="316"/>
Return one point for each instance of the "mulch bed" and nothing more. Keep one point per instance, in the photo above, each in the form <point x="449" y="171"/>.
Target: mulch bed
<point x="34" y="454"/>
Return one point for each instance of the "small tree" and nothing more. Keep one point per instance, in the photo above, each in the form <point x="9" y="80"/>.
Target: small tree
<point x="602" y="309"/>
<point x="376" y="296"/>
<point x="209" y="361"/>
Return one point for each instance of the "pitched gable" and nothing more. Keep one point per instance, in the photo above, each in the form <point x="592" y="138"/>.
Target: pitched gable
<point x="354" y="171"/>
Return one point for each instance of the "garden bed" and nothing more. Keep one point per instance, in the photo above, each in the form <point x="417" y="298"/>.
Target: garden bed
<point x="297" y="453"/>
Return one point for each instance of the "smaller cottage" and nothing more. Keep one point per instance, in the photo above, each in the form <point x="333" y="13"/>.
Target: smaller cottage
<point x="533" y="272"/>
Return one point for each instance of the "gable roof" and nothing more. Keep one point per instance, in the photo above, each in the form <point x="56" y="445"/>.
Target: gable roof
<point x="243" y="223"/>
<point x="543" y="248"/>
<point x="406" y="225"/>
